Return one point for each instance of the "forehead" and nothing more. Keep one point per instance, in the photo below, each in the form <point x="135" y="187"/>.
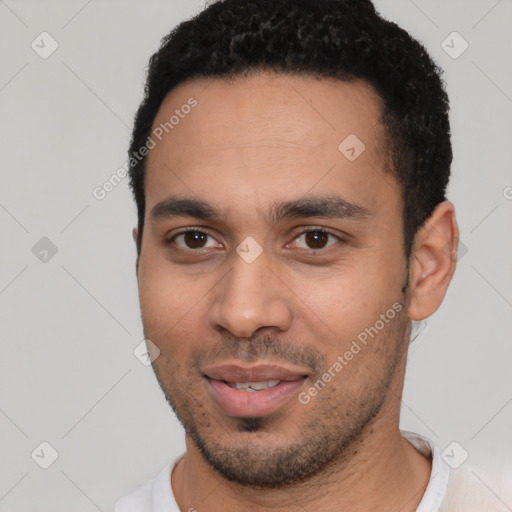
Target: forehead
<point x="265" y="137"/>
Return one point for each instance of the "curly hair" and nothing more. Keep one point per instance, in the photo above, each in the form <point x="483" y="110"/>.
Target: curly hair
<point x="338" y="39"/>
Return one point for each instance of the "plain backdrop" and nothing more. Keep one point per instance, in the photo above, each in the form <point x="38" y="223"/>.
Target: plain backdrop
<point x="69" y="310"/>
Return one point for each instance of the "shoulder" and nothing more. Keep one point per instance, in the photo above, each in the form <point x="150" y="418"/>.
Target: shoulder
<point x="149" y="495"/>
<point x="137" y="500"/>
<point x="455" y="489"/>
<point x="468" y="491"/>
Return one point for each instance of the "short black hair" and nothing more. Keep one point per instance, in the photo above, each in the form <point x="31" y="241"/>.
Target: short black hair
<point x="337" y="39"/>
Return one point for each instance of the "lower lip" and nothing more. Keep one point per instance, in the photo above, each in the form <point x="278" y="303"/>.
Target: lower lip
<point x="252" y="404"/>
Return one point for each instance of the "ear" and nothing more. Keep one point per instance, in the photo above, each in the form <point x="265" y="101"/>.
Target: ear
<point x="433" y="261"/>
<point x="135" y="235"/>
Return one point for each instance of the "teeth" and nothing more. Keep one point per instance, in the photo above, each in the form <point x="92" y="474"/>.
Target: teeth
<point x="254" y="386"/>
<point x="264" y="384"/>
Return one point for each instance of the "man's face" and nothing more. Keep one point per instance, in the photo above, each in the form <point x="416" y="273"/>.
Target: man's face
<point x="323" y="269"/>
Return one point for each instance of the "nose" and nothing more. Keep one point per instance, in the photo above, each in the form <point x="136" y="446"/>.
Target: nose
<point x="249" y="298"/>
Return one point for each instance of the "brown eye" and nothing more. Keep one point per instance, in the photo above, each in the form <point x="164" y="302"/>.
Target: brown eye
<point x="194" y="239"/>
<point x="316" y="239"/>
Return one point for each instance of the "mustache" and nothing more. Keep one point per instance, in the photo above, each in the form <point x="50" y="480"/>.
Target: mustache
<point x="261" y="348"/>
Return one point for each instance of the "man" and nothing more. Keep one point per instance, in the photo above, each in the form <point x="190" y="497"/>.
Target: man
<point x="289" y="162"/>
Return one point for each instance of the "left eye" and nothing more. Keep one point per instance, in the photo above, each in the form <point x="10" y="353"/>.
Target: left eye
<point x="316" y="239"/>
<point x="194" y="240"/>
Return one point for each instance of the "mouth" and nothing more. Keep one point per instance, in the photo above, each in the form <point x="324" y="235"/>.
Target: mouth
<point x="252" y="391"/>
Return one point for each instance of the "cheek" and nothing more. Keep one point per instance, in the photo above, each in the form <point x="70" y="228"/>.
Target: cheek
<point x="158" y="294"/>
<point x="350" y="299"/>
<point x="171" y="302"/>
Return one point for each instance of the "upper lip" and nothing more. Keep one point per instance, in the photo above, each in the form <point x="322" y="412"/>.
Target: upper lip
<point x="257" y="373"/>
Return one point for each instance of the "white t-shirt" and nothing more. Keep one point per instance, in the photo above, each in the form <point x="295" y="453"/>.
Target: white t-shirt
<point x="449" y="490"/>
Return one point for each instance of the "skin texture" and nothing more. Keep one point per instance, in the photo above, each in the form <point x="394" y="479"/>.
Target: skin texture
<point x="249" y="144"/>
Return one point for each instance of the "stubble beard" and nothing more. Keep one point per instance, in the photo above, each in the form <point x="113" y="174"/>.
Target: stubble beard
<point x="334" y="429"/>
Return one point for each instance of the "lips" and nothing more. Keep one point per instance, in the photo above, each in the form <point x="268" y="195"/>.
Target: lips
<point x="235" y="373"/>
<point x="252" y="391"/>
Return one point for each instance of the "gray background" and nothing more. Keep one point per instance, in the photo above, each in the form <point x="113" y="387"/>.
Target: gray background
<point x="70" y="322"/>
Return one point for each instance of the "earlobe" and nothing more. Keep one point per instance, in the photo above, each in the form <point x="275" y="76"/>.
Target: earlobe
<point x="433" y="261"/>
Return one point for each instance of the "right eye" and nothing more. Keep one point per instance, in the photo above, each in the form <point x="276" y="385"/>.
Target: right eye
<point x="193" y="239"/>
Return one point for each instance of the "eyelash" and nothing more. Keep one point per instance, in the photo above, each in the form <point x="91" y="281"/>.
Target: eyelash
<point x="171" y="240"/>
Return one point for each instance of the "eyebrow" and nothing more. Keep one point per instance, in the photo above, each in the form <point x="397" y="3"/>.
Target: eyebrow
<point x="315" y="206"/>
